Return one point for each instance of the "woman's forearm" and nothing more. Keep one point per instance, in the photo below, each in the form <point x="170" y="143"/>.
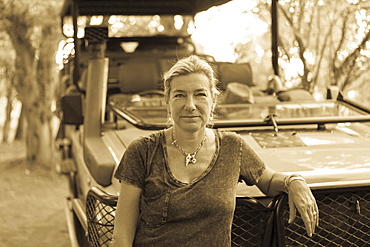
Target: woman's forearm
<point x="281" y="183"/>
<point x="127" y="214"/>
<point x="123" y="242"/>
<point x="273" y="183"/>
<point x="276" y="185"/>
<point x="300" y="196"/>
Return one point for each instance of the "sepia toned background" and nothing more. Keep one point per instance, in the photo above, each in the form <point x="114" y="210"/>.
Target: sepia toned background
<point x="323" y="43"/>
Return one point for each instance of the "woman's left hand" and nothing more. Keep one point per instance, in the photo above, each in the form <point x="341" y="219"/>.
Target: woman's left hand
<point x="301" y="199"/>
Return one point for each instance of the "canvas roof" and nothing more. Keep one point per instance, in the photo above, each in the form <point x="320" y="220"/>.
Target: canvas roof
<point x="140" y="7"/>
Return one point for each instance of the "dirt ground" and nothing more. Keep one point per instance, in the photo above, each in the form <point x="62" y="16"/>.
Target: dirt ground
<point x="31" y="202"/>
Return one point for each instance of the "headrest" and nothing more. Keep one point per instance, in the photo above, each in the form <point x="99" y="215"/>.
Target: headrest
<point x="234" y="72"/>
<point x="138" y="75"/>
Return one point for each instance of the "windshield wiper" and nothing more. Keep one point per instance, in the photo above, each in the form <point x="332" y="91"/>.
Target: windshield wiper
<point x="271" y="118"/>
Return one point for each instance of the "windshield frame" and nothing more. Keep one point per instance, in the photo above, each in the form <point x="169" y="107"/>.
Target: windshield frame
<point x="129" y="113"/>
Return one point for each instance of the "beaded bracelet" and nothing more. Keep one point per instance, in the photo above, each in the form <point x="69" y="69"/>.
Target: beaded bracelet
<point x="289" y="179"/>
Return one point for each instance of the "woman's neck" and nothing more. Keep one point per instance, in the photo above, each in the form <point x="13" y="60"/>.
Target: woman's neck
<point x="188" y="140"/>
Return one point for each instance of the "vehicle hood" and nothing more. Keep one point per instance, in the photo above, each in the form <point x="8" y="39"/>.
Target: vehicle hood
<point x="337" y="157"/>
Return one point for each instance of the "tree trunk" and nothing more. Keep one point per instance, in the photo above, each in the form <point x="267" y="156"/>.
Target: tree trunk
<point x="35" y="43"/>
<point x="36" y="102"/>
<point x="38" y="141"/>
<point x="19" y="134"/>
<point x="36" y="108"/>
<point x="8" y="114"/>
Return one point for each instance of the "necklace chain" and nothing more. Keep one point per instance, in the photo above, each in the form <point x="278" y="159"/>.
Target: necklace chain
<point x="189" y="158"/>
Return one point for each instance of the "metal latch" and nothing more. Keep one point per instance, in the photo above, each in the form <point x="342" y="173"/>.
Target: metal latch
<point x="354" y="200"/>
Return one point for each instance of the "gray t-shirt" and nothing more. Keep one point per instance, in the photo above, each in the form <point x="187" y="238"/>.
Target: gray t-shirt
<point x="179" y="214"/>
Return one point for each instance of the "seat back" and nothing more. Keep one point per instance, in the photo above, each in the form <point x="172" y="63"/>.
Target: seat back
<point x="138" y="75"/>
<point x="234" y="72"/>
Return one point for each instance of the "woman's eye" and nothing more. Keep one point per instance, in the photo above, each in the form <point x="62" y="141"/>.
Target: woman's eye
<point x="201" y="94"/>
<point x="179" y="95"/>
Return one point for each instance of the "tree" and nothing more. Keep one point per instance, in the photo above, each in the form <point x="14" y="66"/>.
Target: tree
<point x="322" y="42"/>
<point x="7" y="82"/>
<point x="33" y="28"/>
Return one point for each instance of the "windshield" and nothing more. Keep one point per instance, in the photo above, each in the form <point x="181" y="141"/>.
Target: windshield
<point x="151" y="112"/>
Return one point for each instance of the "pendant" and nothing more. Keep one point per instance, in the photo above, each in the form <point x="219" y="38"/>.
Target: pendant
<point x="190" y="159"/>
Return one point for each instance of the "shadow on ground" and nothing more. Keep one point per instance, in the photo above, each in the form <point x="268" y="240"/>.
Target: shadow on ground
<point x="31" y="202"/>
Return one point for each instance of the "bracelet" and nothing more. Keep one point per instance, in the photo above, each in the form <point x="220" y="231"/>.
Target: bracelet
<point x="289" y="179"/>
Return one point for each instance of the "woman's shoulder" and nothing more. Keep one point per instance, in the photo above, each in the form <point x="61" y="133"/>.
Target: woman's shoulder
<point x="227" y="134"/>
<point x="147" y="140"/>
<point x="228" y="138"/>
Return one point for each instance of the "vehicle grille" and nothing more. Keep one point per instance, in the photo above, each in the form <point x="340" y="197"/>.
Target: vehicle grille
<point x="251" y="223"/>
<point x="100" y="212"/>
<point x="248" y="229"/>
<point x="344" y="220"/>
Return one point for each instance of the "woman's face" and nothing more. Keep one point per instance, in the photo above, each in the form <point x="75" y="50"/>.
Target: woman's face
<point x="190" y="101"/>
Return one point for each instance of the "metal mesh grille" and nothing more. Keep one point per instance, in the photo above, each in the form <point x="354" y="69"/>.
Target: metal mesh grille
<point x="344" y="221"/>
<point x="249" y="224"/>
<point x="96" y="34"/>
<point x="100" y="222"/>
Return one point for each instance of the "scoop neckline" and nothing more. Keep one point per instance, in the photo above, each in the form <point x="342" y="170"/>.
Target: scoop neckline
<point x="203" y="174"/>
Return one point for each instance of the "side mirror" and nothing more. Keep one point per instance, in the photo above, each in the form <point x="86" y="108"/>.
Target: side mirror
<point x="71" y="104"/>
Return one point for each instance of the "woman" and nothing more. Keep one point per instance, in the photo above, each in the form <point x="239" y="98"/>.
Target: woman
<point x="178" y="185"/>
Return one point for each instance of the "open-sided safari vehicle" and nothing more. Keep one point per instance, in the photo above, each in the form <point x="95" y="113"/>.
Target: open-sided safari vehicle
<point x="114" y="96"/>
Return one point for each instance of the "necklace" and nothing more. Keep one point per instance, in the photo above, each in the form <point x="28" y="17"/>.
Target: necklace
<point x="189" y="158"/>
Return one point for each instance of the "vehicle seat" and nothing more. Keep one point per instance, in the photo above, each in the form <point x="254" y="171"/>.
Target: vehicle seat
<point x="295" y="94"/>
<point x="233" y="72"/>
<point x="138" y="75"/>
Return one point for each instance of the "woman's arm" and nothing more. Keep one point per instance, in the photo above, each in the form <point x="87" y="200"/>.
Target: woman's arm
<point x="271" y="182"/>
<point x="127" y="214"/>
<point x="300" y="196"/>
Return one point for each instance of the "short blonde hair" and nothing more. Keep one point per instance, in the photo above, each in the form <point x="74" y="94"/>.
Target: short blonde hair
<point x="189" y="65"/>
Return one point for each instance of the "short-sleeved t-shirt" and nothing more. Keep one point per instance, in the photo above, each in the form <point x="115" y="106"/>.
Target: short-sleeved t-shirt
<point x="200" y="213"/>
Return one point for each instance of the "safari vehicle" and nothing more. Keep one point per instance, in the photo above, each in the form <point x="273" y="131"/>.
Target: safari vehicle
<point x="114" y="96"/>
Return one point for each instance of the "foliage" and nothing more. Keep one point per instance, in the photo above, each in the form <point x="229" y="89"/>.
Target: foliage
<point x="7" y="57"/>
<point x="33" y="29"/>
<point x="7" y="83"/>
<point x="327" y="42"/>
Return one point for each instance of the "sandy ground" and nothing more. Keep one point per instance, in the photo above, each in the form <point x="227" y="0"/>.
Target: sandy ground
<point x="31" y="202"/>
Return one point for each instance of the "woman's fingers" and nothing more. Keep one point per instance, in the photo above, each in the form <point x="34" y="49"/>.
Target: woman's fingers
<point x="317" y="217"/>
<point x="301" y="199"/>
<point x="309" y="217"/>
<point x="292" y="210"/>
<point x="314" y="213"/>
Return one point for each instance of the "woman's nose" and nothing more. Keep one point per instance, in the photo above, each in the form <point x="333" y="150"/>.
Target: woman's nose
<point x="190" y="105"/>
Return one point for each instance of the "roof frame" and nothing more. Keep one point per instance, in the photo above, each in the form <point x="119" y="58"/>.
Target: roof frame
<point x="140" y="7"/>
